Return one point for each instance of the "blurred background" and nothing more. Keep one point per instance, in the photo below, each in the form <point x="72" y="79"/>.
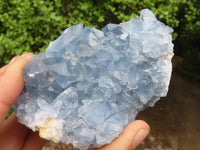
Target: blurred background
<point x="29" y="26"/>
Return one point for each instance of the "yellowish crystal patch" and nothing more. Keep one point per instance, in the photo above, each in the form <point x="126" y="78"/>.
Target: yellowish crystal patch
<point x="50" y="129"/>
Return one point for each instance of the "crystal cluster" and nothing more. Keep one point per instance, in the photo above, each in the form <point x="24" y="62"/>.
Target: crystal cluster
<point x="90" y="84"/>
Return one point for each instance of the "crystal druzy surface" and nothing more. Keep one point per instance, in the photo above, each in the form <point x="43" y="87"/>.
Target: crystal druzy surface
<point x="90" y="84"/>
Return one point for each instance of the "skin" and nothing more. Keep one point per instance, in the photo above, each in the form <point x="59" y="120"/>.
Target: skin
<point x="15" y="136"/>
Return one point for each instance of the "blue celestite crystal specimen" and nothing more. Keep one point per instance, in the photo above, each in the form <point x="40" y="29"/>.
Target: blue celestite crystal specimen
<point x="90" y="84"/>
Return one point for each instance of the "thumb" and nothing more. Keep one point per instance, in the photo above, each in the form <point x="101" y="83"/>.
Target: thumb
<point x="133" y="134"/>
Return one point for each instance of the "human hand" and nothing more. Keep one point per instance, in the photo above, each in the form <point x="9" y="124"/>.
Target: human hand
<point x="15" y="136"/>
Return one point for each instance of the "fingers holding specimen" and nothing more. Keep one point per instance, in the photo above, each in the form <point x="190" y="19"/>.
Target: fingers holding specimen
<point x="12" y="82"/>
<point x="12" y="134"/>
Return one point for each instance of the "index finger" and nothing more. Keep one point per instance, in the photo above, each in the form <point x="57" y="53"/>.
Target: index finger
<point x="12" y="82"/>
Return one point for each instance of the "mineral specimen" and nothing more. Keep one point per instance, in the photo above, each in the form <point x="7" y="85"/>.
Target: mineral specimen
<point x="90" y="84"/>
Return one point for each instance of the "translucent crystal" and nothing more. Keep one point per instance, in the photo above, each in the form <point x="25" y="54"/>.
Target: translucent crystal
<point x="90" y="84"/>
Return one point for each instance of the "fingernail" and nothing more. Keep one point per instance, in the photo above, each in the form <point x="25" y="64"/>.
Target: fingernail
<point x="24" y="54"/>
<point x="27" y="55"/>
<point x="140" y="136"/>
<point x="12" y="60"/>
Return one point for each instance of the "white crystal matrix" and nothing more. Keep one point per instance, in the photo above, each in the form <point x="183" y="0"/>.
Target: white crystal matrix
<point x="90" y="84"/>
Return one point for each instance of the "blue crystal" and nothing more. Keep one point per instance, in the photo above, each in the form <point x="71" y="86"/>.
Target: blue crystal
<point x="90" y="84"/>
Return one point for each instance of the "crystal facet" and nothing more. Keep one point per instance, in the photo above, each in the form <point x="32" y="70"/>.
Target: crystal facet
<point x="90" y="84"/>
